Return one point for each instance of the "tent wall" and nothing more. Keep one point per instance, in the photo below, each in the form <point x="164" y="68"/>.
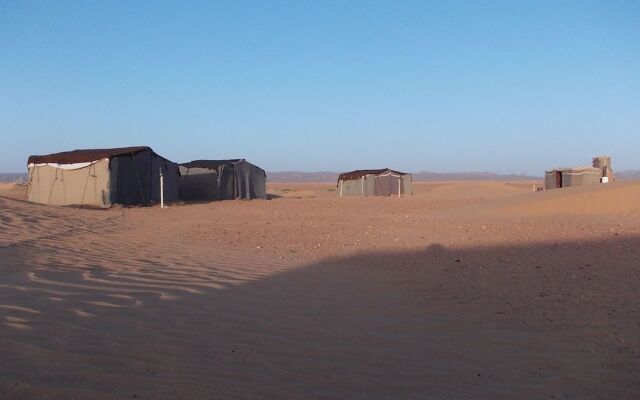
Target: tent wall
<point x="136" y="179"/>
<point x="407" y="184"/>
<point x="250" y="181"/>
<point x="350" y="187"/>
<point x="549" y="180"/>
<point x="184" y="171"/>
<point x="374" y="185"/>
<point x="387" y="185"/>
<point x="227" y="181"/>
<point x="170" y="176"/>
<point x="88" y="186"/>
<point x="199" y="187"/>
<point x="131" y="179"/>
<point x="580" y="177"/>
<point x="568" y="177"/>
<point x="369" y="185"/>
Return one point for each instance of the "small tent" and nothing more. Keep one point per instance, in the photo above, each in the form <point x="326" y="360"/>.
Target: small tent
<point x="101" y="177"/>
<point x="374" y="182"/>
<point x="208" y="180"/>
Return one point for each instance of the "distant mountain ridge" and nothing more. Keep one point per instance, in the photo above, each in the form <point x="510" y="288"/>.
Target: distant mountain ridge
<point x="629" y="175"/>
<point x="325" y="176"/>
<point x="298" y="176"/>
<point x="472" y="176"/>
<point x="13" y="177"/>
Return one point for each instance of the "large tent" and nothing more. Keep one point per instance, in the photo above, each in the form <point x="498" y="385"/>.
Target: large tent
<point x="374" y="182"/>
<point x="101" y="177"/>
<point x="600" y="172"/>
<point x="566" y="177"/>
<point x="206" y="180"/>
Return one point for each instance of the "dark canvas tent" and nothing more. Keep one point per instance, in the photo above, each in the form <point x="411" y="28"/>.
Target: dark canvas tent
<point x="374" y="182"/>
<point x="101" y="177"/>
<point x="206" y="180"/>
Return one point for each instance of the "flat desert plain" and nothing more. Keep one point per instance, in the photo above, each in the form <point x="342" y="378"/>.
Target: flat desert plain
<point x="465" y="290"/>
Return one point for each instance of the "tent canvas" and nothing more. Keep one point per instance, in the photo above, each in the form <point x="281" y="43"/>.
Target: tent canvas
<point x="374" y="182"/>
<point x="567" y="177"/>
<point x="101" y="177"/>
<point x="208" y="180"/>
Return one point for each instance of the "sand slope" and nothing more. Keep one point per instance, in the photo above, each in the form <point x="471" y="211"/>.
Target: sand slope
<point x="612" y="201"/>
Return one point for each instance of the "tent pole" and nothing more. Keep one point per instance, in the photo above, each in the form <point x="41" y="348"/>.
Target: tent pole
<point x="399" y="187"/>
<point x="161" y="189"/>
<point x="362" y="190"/>
<point x="341" y="188"/>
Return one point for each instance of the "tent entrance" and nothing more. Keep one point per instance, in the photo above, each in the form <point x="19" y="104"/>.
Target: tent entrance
<point x="558" y="176"/>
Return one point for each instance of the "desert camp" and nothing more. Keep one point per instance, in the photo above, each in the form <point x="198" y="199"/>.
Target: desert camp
<point x="324" y="200"/>
<point x="207" y="180"/>
<point x="374" y="182"/>
<point x="101" y="177"/>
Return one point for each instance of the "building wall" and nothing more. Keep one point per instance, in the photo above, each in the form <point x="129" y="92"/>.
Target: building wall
<point x="88" y="186"/>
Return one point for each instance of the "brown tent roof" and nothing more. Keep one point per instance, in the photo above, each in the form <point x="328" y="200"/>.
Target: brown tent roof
<point x="86" y="155"/>
<point x="359" y="173"/>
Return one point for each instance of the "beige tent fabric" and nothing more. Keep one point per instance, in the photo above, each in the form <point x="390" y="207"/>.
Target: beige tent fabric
<point x="580" y="176"/>
<point x="571" y="177"/>
<point x="366" y="185"/>
<point x="60" y="186"/>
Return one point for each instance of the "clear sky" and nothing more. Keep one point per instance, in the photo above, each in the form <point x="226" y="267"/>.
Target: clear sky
<point x="505" y="86"/>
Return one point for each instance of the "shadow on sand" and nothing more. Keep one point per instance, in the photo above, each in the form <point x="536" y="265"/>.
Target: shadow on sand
<point x="554" y="320"/>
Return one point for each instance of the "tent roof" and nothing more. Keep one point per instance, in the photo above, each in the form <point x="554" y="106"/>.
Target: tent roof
<point x="210" y="164"/>
<point x="85" y="155"/>
<point x="359" y="173"/>
<point x="214" y="164"/>
<point x="575" y="170"/>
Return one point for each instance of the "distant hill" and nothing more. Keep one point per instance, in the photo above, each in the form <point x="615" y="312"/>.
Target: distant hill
<point x="472" y="176"/>
<point x="325" y="176"/>
<point x="9" y="177"/>
<point x="631" y="175"/>
<point x="296" y="176"/>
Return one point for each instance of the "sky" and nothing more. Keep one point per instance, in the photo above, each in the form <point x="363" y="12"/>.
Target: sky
<point x="500" y="86"/>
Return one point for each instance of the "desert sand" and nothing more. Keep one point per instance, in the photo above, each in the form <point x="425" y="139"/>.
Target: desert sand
<point x="465" y="290"/>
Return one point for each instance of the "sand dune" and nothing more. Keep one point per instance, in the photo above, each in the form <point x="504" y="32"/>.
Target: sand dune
<point x="465" y="290"/>
<point x="615" y="200"/>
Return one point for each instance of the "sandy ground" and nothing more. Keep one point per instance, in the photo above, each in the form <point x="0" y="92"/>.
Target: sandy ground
<point x="465" y="290"/>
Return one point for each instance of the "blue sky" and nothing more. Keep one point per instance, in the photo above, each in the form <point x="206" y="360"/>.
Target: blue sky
<point x="505" y="86"/>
